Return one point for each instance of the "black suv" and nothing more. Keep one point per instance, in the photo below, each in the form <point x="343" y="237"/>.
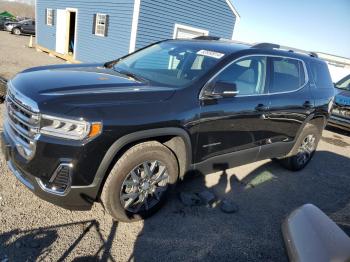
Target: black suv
<point x="124" y="132"/>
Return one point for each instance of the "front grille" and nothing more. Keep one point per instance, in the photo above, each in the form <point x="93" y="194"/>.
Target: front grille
<point x="341" y="111"/>
<point x="22" y="122"/>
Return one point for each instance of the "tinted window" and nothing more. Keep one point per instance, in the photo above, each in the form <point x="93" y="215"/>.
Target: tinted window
<point x="287" y="75"/>
<point x="344" y="83"/>
<point x="321" y="75"/>
<point x="249" y="75"/>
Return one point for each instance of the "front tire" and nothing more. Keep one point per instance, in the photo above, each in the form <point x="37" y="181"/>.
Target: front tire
<point x="303" y="150"/>
<point x="17" y="31"/>
<point x="138" y="184"/>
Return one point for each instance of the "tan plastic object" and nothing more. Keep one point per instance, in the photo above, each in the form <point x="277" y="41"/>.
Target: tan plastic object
<point x="310" y="235"/>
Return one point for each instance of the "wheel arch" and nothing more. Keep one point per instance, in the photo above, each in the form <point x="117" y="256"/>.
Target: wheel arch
<point x="170" y="137"/>
<point x="317" y="120"/>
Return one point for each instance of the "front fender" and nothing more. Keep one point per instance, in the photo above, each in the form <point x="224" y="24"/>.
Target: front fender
<point x="119" y="144"/>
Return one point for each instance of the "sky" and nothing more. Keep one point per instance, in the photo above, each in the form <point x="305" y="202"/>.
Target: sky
<point x="313" y="25"/>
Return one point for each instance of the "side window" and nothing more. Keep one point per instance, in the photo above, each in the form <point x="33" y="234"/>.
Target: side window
<point x="101" y="23"/>
<point x="287" y="74"/>
<point x="49" y="17"/>
<point x="344" y="83"/>
<point x="321" y="75"/>
<point x="249" y="75"/>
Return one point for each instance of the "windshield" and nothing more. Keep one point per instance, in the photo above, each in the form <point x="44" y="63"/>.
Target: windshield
<point x="169" y="63"/>
<point x="344" y="83"/>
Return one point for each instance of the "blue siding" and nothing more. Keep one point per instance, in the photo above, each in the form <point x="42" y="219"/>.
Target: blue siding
<point x="156" y="21"/>
<point x="90" y="48"/>
<point x="158" y="17"/>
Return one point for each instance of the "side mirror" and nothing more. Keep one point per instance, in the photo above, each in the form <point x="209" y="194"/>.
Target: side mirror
<point x="222" y="90"/>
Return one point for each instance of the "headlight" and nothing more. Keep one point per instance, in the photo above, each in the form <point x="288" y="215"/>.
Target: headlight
<point x="68" y="128"/>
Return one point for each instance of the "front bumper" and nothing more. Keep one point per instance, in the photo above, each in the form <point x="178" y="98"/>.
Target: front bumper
<point x="76" y="198"/>
<point x="340" y="122"/>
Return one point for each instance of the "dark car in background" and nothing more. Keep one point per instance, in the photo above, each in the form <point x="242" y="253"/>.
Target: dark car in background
<point x="26" y="27"/>
<point x="341" y="109"/>
<point x="9" y="26"/>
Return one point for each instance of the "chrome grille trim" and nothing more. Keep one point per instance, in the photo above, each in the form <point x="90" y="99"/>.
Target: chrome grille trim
<point x="24" y="102"/>
<point x="22" y="122"/>
<point x="51" y="186"/>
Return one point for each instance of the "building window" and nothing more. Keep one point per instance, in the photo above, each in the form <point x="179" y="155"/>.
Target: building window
<point x="101" y="24"/>
<point x="49" y="16"/>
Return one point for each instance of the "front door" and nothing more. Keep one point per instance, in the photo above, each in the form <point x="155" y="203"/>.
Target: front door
<point x="237" y="124"/>
<point x="61" y="31"/>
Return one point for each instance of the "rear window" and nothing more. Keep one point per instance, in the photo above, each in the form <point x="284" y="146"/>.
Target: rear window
<point x="321" y="75"/>
<point x="287" y="75"/>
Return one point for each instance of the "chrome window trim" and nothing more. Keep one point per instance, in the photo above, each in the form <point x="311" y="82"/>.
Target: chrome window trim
<point x="306" y="75"/>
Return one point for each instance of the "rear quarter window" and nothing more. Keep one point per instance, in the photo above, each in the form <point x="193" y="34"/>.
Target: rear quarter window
<point x="321" y="75"/>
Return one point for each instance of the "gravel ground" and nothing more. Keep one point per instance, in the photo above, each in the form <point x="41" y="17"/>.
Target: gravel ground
<point x="31" y="229"/>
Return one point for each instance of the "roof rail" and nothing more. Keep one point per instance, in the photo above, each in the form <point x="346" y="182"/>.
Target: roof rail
<point x="266" y="46"/>
<point x="289" y="49"/>
<point x="207" y="37"/>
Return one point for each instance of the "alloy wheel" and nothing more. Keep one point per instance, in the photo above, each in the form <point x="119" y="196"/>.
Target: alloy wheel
<point x="144" y="186"/>
<point x="306" y="149"/>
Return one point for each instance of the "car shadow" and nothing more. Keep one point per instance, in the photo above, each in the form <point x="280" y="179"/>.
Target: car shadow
<point x="337" y="130"/>
<point x="30" y="245"/>
<point x="265" y="197"/>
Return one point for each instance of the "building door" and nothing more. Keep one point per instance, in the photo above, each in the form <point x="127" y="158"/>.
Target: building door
<point x="182" y="31"/>
<point x="72" y="19"/>
<point x="61" y="31"/>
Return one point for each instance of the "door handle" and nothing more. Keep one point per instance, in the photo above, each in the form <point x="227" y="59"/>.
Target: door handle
<point x="261" y="107"/>
<point x="307" y="104"/>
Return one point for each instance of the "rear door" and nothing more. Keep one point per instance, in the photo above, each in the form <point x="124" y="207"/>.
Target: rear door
<point x="31" y="28"/>
<point x="27" y="27"/>
<point x="290" y="103"/>
<point x="237" y="124"/>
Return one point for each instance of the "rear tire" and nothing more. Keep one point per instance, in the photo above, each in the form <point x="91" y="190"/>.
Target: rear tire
<point x="304" y="149"/>
<point x="138" y="184"/>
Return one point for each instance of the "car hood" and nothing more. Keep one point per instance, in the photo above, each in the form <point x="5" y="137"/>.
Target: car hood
<point x="342" y="98"/>
<point x="84" y="85"/>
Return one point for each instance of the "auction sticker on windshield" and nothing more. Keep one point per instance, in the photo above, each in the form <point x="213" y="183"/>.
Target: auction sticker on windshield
<point x="213" y="54"/>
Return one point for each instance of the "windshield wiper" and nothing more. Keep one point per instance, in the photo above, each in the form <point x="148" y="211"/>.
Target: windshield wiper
<point x="132" y="75"/>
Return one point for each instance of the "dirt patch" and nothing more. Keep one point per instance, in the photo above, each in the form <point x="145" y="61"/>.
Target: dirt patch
<point x="17" y="56"/>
